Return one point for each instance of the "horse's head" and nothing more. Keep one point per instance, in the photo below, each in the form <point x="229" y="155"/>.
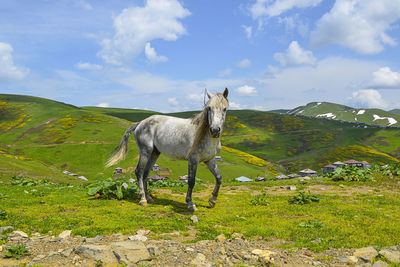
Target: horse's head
<point x="216" y="111"/>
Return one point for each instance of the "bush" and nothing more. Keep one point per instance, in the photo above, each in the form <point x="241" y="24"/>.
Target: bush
<point x="349" y="173"/>
<point x="16" y="251"/>
<point x="312" y="224"/>
<point x="392" y="169"/>
<point x="3" y="214"/>
<point x="303" y="198"/>
<point x="25" y="181"/>
<point x="260" y="200"/>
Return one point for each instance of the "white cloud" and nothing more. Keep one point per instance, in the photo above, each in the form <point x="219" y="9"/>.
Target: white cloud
<point x="368" y="98"/>
<point x="235" y="105"/>
<point x="151" y="54"/>
<point x="360" y="25"/>
<point x="248" y="30"/>
<point x="88" y="66"/>
<point x="266" y="8"/>
<point x="103" y="105"/>
<point x="385" y="78"/>
<point x="226" y="72"/>
<point x="135" y="26"/>
<point x="196" y="98"/>
<point x="9" y="71"/>
<point x="246" y="90"/>
<point x="245" y="63"/>
<point x="173" y="101"/>
<point x="295" y="55"/>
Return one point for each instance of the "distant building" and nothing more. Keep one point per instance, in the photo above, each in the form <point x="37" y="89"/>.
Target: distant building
<point x="243" y="179"/>
<point x="260" y="179"/>
<point x="218" y="158"/>
<point x="281" y="177"/>
<point x="308" y="172"/>
<point x="365" y="164"/>
<point x="353" y="163"/>
<point x="293" y="175"/>
<point x="338" y="164"/>
<point x="156" y="178"/>
<point x="156" y="168"/>
<point x="329" y="168"/>
<point x="118" y="170"/>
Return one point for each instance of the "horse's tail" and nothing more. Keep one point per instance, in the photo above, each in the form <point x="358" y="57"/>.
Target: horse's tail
<point x="121" y="150"/>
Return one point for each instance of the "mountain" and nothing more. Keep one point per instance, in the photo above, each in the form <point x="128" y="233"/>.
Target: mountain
<point x="334" y="111"/>
<point x="395" y="111"/>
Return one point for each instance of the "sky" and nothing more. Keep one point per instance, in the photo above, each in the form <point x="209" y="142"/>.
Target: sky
<point x="162" y="54"/>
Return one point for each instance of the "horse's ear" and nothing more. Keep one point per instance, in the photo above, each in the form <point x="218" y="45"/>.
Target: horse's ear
<point x="226" y="93"/>
<point x="208" y="93"/>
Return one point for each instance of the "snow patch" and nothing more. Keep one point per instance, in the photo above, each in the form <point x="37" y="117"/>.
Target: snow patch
<point x="301" y="111"/>
<point x="328" y="115"/>
<point x="390" y="119"/>
<point x="361" y="111"/>
<point x="355" y="118"/>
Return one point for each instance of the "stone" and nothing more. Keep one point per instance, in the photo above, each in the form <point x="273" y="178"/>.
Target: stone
<point x="138" y="238"/>
<point x="390" y="255"/>
<point x="130" y="251"/>
<point x="6" y="229"/>
<point x="200" y="260"/>
<point x="143" y="232"/>
<point x="352" y="259"/>
<point x="292" y="188"/>
<point x="97" y="253"/>
<point x="194" y="219"/>
<point x="380" y="264"/>
<point x="367" y="254"/>
<point x="66" y="253"/>
<point x="65" y="234"/>
<point x="154" y="251"/>
<point x="264" y="254"/>
<point x="39" y="258"/>
<point x="237" y="236"/>
<point x="189" y="249"/>
<point x="17" y="235"/>
<point x="221" y="238"/>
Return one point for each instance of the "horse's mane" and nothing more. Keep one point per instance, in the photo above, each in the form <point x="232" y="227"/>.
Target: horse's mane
<point x="201" y="119"/>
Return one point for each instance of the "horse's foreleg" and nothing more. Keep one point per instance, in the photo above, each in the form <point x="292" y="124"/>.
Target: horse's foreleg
<point x="212" y="166"/>
<point x="153" y="158"/>
<point x="192" y="168"/>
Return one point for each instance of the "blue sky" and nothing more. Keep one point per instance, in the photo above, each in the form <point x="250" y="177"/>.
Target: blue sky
<point x="161" y="54"/>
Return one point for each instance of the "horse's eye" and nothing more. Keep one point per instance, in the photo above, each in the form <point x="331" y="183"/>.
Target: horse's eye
<point x="224" y="109"/>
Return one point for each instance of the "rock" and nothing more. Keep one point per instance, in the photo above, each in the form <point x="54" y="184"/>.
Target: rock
<point x="1" y="248"/>
<point x="367" y="254"/>
<point x="200" y="260"/>
<point x="292" y="188"/>
<point x="17" y="236"/>
<point x="221" y="238"/>
<point x="26" y="192"/>
<point x="390" y="255"/>
<point x="6" y="229"/>
<point x="39" y="258"/>
<point x="194" y="219"/>
<point x="97" y="253"/>
<point x="65" y="234"/>
<point x="130" y="251"/>
<point x="66" y="253"/>
<point x="264" y="254"/>
<point x="189" y="249"/>
<point x="83" y="178"/>
<point x="380" y="264"/>
<point x="352" y="259"/>
<point x="143" y="232"/>
<point x="154" y="251"/>
<point x="237" y="236"/>
<point x="138" y="238"/>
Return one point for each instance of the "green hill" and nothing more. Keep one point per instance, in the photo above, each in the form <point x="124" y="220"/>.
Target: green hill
<point x="41" y="137"/>
<point x="340" y="112"/>
<point x="395" y="111"/>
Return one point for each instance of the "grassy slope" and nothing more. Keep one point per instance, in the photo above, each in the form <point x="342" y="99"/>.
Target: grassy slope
<point x="346" y="113"/>
<point x="395" y="111"/>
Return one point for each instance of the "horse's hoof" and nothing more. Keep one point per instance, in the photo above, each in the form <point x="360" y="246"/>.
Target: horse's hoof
<point x="192" y="207"/>
<point x="149" y="199"/>
<point x="143" y="203"/>
<point x="212" y="201"/>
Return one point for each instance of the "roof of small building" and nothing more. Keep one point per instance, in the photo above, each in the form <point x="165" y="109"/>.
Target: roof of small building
<point x="338" y="163"/>
<point x="364" y="162"/>
<point x="243" y="179"/>
<point x="293" y="175"/>
<point x="329" y="166"/>
<point x="308" y="171"/>
<point x="351" y="161"/>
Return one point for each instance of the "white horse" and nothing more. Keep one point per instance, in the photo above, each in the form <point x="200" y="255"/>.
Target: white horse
<point x="195" y="139"/>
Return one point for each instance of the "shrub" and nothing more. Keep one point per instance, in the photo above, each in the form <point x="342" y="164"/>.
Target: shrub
<point x="25" y="181"/>
<point x="312" y="224"/>
<point x="3" y="214"/>
<point x="259" y="200"/>
<point x="303" y="198"/>
<point x="392" y="169"/>
<point x="16" y="251"/>
<point x="349" y="173"/>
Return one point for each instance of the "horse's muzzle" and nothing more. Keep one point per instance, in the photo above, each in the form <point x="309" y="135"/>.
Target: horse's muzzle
<point x="215" y="132"/>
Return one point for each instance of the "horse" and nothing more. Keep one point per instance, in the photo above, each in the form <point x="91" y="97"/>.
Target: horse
<point x="196" y="140"/>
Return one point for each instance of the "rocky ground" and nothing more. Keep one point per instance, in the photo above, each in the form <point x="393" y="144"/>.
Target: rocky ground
<point x="139" y="250"/>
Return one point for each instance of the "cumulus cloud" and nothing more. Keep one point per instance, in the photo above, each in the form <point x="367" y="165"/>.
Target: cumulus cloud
<point x="135" y="26"/>
<point x="235" y="105"/>
<point x="226" y="72"/>
<point x="103" y="105"/>
<point x="385" y="78"/>
<point x="295" y="55"/>
<point x="274" y="8"/>
<point x="151" y="54"/>
<point x="8" y="70"/>
<point x="360" y="25"/>
<point x="368" y="98"/>
<point x="248" y="30"/>
<point x="246" y="90"/>
<point x="173" y="101"/>
<point x="196" y="98"/>
<point x="245" y="63"/>
<point x="88" y="66"/>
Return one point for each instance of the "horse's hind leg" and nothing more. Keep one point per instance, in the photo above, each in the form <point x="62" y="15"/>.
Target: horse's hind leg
<point x="150" y="163"/>
<point x="212" y="166"/>
<point x="143" y="159"/>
